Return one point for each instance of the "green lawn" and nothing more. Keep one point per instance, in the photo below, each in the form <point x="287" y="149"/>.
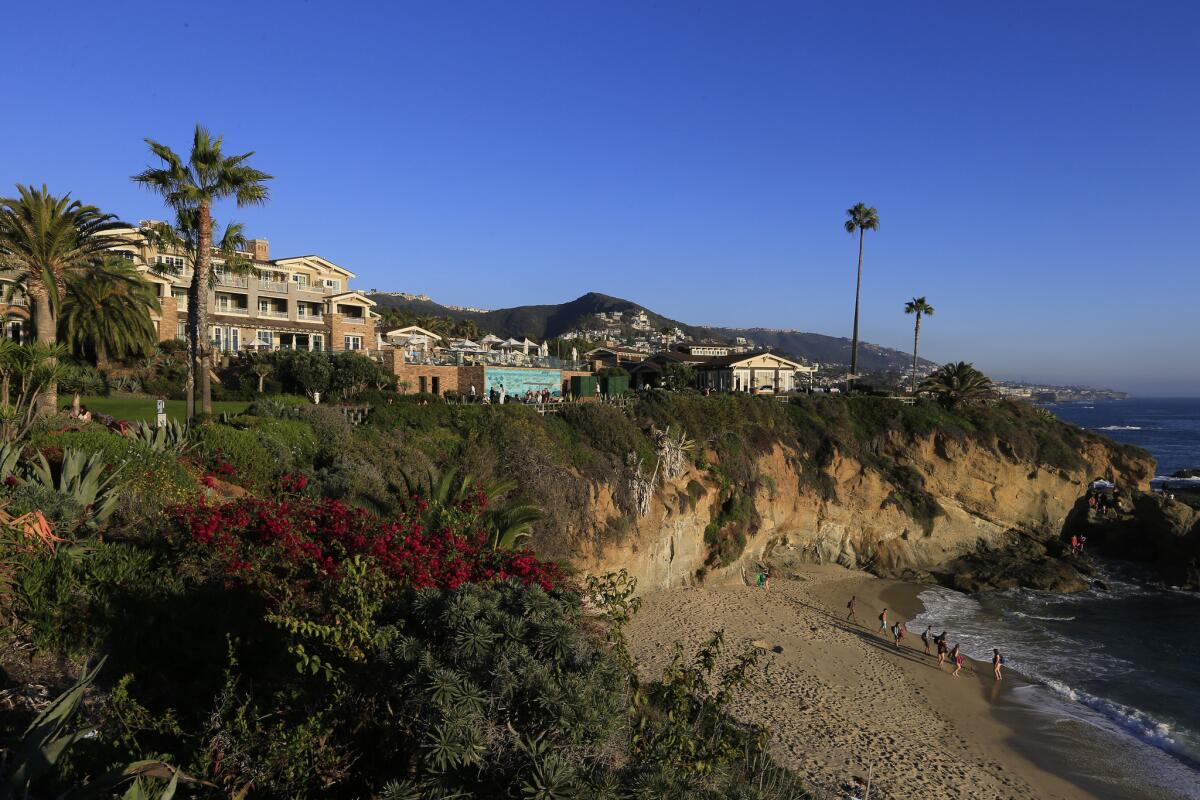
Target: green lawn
<point x="134" y="407"/>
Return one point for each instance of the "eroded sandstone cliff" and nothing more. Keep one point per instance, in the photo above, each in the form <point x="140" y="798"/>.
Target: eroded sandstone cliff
<point x="918" y="504"/>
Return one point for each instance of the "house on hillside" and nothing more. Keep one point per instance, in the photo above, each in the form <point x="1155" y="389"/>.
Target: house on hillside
<point x="762" y="372"/>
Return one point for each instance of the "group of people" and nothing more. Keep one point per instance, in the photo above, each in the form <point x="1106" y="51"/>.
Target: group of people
<point x="1077" y="543"/>
<point x="498" y="395"/>
<point x="929" y="639"/>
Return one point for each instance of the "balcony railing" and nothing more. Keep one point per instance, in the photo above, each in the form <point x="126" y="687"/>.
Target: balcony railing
<point x="273" y="286"/>
<point x="238" y="310"/>
<point x="354" y="320"/>
<point x="272" y="312"/>
<point x="310" y="316"/>
<point x="237" y="281"/>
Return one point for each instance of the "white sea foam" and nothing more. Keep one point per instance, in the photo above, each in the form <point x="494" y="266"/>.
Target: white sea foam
<point x="1047" y="619"/>
<point x="1043" y="656"/>
<point x="1119" y="428"/>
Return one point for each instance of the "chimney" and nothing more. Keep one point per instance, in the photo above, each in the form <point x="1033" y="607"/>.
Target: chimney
<point x="258" y="248"/>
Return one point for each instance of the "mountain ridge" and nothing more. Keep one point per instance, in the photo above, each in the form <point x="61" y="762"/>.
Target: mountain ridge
<point x="550" y="320"/>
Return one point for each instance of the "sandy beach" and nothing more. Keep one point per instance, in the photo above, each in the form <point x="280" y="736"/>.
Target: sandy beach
<point x="841" y="701"/>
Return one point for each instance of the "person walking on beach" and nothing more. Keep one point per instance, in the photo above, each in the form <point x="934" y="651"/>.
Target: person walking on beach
<point x="927" y="637"/>
<point x="853" y="606"/>
<point x="940" y="640"/>
<point x="997" y="663"/>
<point x="883" y="626"/>
<point x="900" y="631"/>
<point x="958" y="661"/>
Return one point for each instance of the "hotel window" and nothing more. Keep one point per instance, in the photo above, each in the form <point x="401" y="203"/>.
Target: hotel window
<point x="333" y="284"/>
<point x="264" y="305"/>
<point x="218" y="339"/>
<point x="300" y="280"/>
<point x="264" y="339"/>
<point x="181" y="330"/>
<point x="352" y="342"/>
<point x="318" y="342"/>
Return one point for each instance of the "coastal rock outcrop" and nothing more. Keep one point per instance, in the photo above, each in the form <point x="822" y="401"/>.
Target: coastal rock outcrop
<point x="971" y="515"/>
<point x="1151" y="528"/>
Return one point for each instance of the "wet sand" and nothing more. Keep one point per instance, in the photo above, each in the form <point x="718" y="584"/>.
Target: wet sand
<point x="840" y="700"/>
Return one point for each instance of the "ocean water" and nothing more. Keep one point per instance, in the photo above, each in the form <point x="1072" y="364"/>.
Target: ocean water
<point x="1168" y="427"/>
<point x="1125" y="662"/>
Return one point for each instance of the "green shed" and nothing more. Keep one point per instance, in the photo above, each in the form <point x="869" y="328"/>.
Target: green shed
<point x="613" y="385"/>
<point x="583" y="385"/>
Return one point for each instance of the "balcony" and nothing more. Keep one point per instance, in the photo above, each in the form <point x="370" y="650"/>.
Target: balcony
<point x="354" y="320"/>
<point x="236" y="281"/>
<point x="274" y="313"/>
<point x="305" y="316"/>
<point x="238" y="311"/>
<point x="273" y="286"/>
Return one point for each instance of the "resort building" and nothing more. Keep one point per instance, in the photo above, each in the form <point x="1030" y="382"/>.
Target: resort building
<point x="758" y="373"/>
<point x="296" y="303"/>
<point x="706" y="350"/>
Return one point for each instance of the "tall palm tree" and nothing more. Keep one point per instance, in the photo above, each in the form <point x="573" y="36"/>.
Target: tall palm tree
<point x="919" y="307"/>
<point x="107" y="311"/>
<point x="956" y="385"/>
<point x="206" y="177"/>
<point x="860" y="218"/>
<point x="44" y="238"/>
<point x="184" y="237"/>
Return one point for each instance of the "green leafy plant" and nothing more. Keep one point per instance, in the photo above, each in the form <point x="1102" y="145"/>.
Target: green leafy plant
<point x="87" y="479"/>
<point x="170" y="438"/>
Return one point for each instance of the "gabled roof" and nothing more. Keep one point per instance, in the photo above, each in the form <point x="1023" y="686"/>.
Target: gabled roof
<point x="353" y="296"/>
<point x="410" y="330"/>
<point x="736" y="359"/>
<point x="292" y="261"/>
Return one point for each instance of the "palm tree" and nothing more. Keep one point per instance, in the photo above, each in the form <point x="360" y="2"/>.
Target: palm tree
<point x="860" y="218"/>
<point x="206" y="177"/>
<point x="919" y="307"/>
<point x="184" y="237"/>
<point x="107" y="311"/>
<point x="43" y="239"/>
<point x="959" y="384"/>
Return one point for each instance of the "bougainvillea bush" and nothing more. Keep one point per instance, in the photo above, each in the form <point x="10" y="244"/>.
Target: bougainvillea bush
<point x="295" y="537"/>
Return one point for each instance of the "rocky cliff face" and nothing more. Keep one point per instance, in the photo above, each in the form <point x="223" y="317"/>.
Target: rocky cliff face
<point x="973" y="500"/>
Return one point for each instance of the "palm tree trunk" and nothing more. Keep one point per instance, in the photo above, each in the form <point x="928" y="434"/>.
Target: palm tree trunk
<point x="43" y="322"/>
<point x="916" y="339"/>
<point x="201" y="281"/>
<point x="857" y="291"/>
<point x="189" y="384"/>
<point x="101" y="356"/>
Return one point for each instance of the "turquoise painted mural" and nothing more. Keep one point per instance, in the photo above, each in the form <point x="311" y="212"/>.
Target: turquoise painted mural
<point x="517" y="382"/>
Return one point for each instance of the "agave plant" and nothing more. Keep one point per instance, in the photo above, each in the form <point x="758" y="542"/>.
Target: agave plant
<point x="81" y="477"/>
<point x="10" y="457"/>
<point x="127" y="383"/>
<point x="170" y="438"/>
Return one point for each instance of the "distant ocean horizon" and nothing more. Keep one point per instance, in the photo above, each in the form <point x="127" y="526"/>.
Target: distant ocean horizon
<point x="1122" y="661"/>
<point x="1169" y="427"/>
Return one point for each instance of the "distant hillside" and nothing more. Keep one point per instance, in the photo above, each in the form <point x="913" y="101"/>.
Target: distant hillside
<point x="548" y="321"/>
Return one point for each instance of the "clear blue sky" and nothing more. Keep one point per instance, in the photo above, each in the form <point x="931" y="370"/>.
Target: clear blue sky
<point x="1035" y="165"/>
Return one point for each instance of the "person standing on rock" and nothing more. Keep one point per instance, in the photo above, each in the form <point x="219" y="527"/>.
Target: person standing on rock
<point x="853" y="606"/>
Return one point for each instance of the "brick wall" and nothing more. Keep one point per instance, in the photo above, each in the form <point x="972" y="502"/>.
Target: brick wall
<point x="339" y="329"/>
<point x="168" y="320"/>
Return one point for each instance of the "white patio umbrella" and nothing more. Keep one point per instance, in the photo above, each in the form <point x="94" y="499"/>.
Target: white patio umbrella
<point x="490" y="341"/>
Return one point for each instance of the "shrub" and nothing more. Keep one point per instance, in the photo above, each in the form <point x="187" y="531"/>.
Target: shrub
<point x="237" y="454"/>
